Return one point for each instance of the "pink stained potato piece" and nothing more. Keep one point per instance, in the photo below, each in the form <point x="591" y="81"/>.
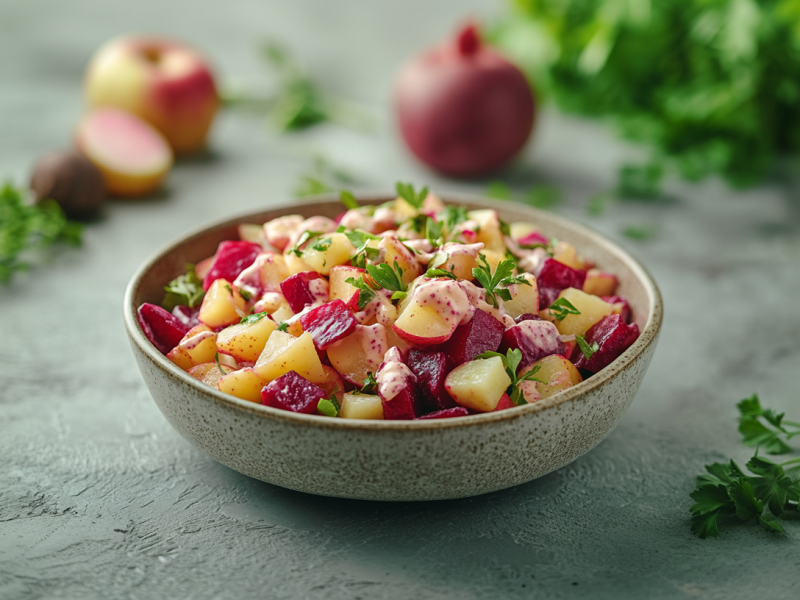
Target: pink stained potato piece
<point x="555" y="276"/>
<point x="292" y="392"/>
<point x="430" y="369"/>
<point x="231" y="259"/>
<point x="613" y="336"/>
<point x="447" y="413"/>
<point x="483" y="333"/>
<point x="297" y="290"/>
<point x="535" y="339"/>
<point x="626" y="308"/>
<point x="534" y="238"/>
<point x="163" y="329"/>
<point x="329" y="323"/>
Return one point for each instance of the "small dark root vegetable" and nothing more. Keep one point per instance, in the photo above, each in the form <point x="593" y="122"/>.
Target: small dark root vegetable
<point x="463" y="109"/>
<point x="70" y="179"/>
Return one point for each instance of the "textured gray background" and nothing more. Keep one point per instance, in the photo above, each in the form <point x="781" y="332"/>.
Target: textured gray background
<point x="100" y="498"/>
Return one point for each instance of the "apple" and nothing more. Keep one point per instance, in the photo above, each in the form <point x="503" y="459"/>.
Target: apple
<point x="221" y="307"/>
<point x="245" y="341"/>
<point x="162" y="81"/>
<point x="591" y="310"/>
<point x="557" y="373"/>
<point x="600" y="283"/>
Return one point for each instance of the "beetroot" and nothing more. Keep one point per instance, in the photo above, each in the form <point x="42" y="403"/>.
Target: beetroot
<point x="397" y="387"/>
<point x="292" y="392"/>
<point x="504" y="403"/>
<point x="626" y="308"/>
<point x="458" y="411"/>
<point x="329" y="323"/>
<point x="535" y="339"/>
<point x="534" y="238"/>
<point x="483" y="333"/>
<point x="187" y="315"/>
<point x="231" y="259"/>
<point x="613" y="337"/>
<point x="555" y="276"/>
<point x="430" y="369"/>
<point x="527" y="317"/>
<point x="297" y="289"/>
<point x="463" y="109"/>
<point x="161" y="328"/>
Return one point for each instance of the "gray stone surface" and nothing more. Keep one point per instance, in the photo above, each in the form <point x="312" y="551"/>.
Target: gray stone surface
<point x="100" y="498"/>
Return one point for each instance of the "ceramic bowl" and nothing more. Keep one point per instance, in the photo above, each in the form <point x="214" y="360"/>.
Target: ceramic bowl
<point x="396" y="460"/>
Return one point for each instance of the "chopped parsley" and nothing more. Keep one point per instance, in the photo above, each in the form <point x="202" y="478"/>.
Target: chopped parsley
<point x="588" y="351"/>
<point x="219" y="366"/>
<point x="370" y="384"/>
<point x="348" y="199"/>
<point x="365" y="293"/>
<point x="329" y="407"/>
<point x="254" y="318"/>
<point x="407" y="193"/>
<point x="306" y="236"/>
<point x="452" y="216"/>
<point x="434" y="273"/>
<point x="185" y="290"/>
<point x="561" y="308"/>
<point x="502" y="276"/>
<point x="283" y="326"/>
<point x="388" y="278"/>
<point x="434" y="232"/>
<point x="511" y="361"/>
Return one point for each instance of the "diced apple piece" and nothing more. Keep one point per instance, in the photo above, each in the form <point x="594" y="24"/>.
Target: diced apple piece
<point x="393" y="250"/>
<point x="489" y="229"/>
<point x="160" y="327"/>
<point x="131" y="155"/>
<point x="619" y="306"/>
<point x="361" y="406"/>
<point x="557" y="373"/>
<point x="430" y="368"/>
<point x="446" y="413"/>
<point x="482" y="333"/>
<point x="359" y="353"/>
<point x="244" y="383"/>
<point x="395" y="340"/>
<point x="207" y="373"/>
<point x="231" y="259"/>
<point x="599" y="283"/>
<point x="304" y="289"/>
<point x="329" y="323"/>
<point x="293" y="393"/>
<point x="613" y="336"/>
<point x="535" y="339"/>
<point x="565" y="253"/>
<point x="478" y="384"/>
<point x="327" y="252"/>
<point x="436" y="309"/>
<point x="284" y="353"/>
<point x="524" y="298"/>
<point x="221" y="306"/>
<point x="592" y="309"/>
<point x="246" y="340"/>
<point x="198" y="346"/>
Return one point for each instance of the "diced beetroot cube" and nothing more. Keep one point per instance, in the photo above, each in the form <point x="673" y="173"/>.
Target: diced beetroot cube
<point x="397" y="387"/>
<point x="298" y="289"/>
<point x="626" y="308"/>
<point x="160" y="327"/>
<point x="483" y="333"/>
<point x="535" y="339"/>
<point x="329" y="323"/>
<point x="504" y="403"/>
<point x="430" y="369"/>
<point x="568" y="349"/>
<point x="231" y="259"/>
<point x="547" y="296"/>
<point x="554" y="274"/>
<point x="292" y="392"/>
<point x="534" y="238"/>
<point x="613" y="337"/>
<point x="399" y="407"/>
<point x="458" y="411"/>
<point x="186" y="315"/>
<point x="527" y="317"/>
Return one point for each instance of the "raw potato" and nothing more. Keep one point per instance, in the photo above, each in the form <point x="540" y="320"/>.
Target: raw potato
<point x="245" y="384"/>
<point x="361" y="406"/>
<point x="284" y="353"/>
<point x="478" y="384"/>
<point x="592" y="309"/>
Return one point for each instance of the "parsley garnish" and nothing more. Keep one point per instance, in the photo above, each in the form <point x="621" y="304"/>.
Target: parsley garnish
<point x="348" y="199"/>
<point x="245" y="295"/>
<point x="433" y="231"/>
<point x="370" y="384"/>
<point x="388" y="278"/>
<point x="186" y="290"/>
<point x="329" y="406"/>
<point x="322" y="244"/>
<point x="561" y="308"/>
<point x="364" y="252"/>
<point x="365" y="293"/>
<point x="283" y="326"/>
<point x="588" y="351"/>
<point x="306" y="236"/>
<point x="219" y="366"/>
<point x="502" y="276"/>
<point x="452" y="216"/>
<point x="511" y="361"/>
<point x="407" y="193"/>
<point x="756" y="433"/>
<point x="417" y="223"/>
<point x="227" y="287"/>
<point x="254" y="318"/>
<point x="434" y="273"/>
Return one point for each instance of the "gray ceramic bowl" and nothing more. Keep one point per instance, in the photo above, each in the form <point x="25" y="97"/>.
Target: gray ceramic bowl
<point x="396" y="460"/>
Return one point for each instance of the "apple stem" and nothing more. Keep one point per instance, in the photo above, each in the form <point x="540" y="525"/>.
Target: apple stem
<point x="468" y="40"/>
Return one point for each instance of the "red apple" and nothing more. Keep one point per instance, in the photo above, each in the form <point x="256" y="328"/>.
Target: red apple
<point x="163" y="81"/>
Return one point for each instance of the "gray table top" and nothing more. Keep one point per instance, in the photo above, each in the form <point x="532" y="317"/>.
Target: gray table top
<point x="100" y="498"/>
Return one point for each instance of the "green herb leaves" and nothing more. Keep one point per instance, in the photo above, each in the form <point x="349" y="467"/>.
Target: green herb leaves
<point x="491" y="282"/>
<point x="364" y="252"/>
<point x="434" y="232"/>
<point x="186" y="290"/>
<point x="407" y="193"/>
<point x="561" y="308"/>
<point x="370" y="384"/>
<point x="255" y="318"/>
<point x="434" y="273"/>
<point x="283" y="326"/>
<point x="388" y="278"/>
<point x="365" y="293"/>
<point x="762" y="427"/>
<point x="588" y="350"/>
<point x="329" y="407"/>
<point x="348" y="199"/>
<point x="511" y="361"/>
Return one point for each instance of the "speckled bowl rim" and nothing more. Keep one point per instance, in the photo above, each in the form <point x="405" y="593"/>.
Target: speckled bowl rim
<point x="647" y="336"/>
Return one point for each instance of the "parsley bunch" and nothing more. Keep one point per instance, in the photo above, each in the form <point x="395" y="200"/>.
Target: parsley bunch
<point x="186" y="290"/>
<point x="502" y="276"/>
<point x="511" y="361"/>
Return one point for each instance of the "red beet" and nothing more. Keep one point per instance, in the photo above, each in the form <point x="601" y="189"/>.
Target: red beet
<point x="297" y="290"/>
<point x="527" y="317"/>
<point x="231" y="259"/>
<point x="534" y="238"/>
<point x="463" y="109"/>
<point x="547" y="296"/>
<point x="535" y="339"/>
<point x="430" y="369"/>
<point x="161" y="328"/>
<point x="397" y="387"/>
<point x="329" y="323"/>
<point x="554" y="274"/>
<point x="292" y="392"/>
<point x="613" y="337"/>
<point x="186" y="315"/>
<point x="626" y="308"/>
<point x="504" y="403"/>
<point x="458" y="411"/>
<point x="483" y="333"/>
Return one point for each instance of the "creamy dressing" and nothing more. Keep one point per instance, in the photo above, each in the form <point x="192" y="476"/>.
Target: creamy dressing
<point x="529" y="260"/>
<point x="269" y="302"/>
<point x="194" y="341"/>
<point x="249" y="280"/>
<point x="373" y="341"/>
<point x="447" y="297"/>
<point x="393" y="374"/>
<point x="541" y="338"/>
<point x="477" y="298"/>
<point x="319" y="290"/>
<point x="318" y="224"/>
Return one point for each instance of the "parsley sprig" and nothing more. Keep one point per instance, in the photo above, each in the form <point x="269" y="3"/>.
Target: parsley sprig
<point x="389" y="278"/>
<point x="407" y="193"/>
<point x="329" y="406"/>
<point x="434" y="273"/>
<point x="364" y="252"/>
<point x="767" y="433"/>
<point x="283" y="326"/>
<point x="511" y="361"/>
<point x="434" y="232"/>
<point x="348" y="199"/>
<point x="561" y="308"/>
<point x="451" y="216"/>
<point x="254" y="318"/>
<point x="186" y="290"/>
<point x="365" y="293"/>
<point x="502" y="276"/>
<point x="305" y="237"/>
<point x="370" y="384"/>
<point x="587" y="349"/>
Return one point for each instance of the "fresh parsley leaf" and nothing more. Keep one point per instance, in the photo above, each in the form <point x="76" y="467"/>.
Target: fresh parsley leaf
<point x="322" y="244"/>
<point x="768" y="434"/>
<point x="219" y="366"/>
<point x="418" y="223"/>
<point x="365" y="293"/>
<point x="348" y="199"/>
<point x="544" y="196"/>
<point x="386" y="277"/>
<point x="511" y="360"/>
<point x="640" y="181"/>
<point x="561" y="308"/>
<point x="186" y="290"/>
<point x="407" y="193"/>
<point x="451" y="216"/>
<point x="245" y="295"/>
<point x="640" y="233"/>
<point x="229" y="288"/>
<point x="283" y="326"/>
<point x="588" y="351"/>
<point x="364" y="252"/>
<point x="370" y="384"/>
<point x="305" y="237"/>
<point x="254" y="318"/>
<point x="329" y="407"/>
<point x="434" y="273"/>
<point x="491" y="282"/>
<point x="434" y="232"/>
<point x="705" y="525"/>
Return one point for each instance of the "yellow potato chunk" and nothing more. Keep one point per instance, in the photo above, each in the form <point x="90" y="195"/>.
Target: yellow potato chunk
<point x="488" y="229"/>
<point x="565" y="253"/>
<point x="339" y="289"/>
<point x="592" y="309"/>
<point x="557" y="373"/>
<point x="198" y="346"/>
<point x="295" y="264"/>
<point x="328" y="251"/>
<point x="221" y="306"/>
<point x="599" y="283"/>
<point x="361" y="406"/>
<point x="524" y="298"/>
<point x="284" y="353"/>
<point x="245" y="384"/>
<point x="272" y="272"/>
<point x="208" y="373"/>
<point x="520" y="229"/>
<point x="394" y="250"/>
<point x="246" y="340"/>
<point x="478" y="384"/>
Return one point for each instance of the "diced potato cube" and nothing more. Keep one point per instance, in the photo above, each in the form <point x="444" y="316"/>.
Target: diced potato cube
<point x="361" y="406"/>
<point x="246" y="340"/>
<point x="520" y="229"/>
<point x="599" y="283"/>
<point x="524" y="298"/>
<point x="208" y="373"/>
<point x="221" y="306"/>
<point x="489" y="229"/>
<point x="394" y="250"/>
<point x="245" y="384"/>
<point x="478" y="384"/>
<point x="295" y="264"/>
<point x="592" y="309"/>
<point x="558" y="374"/>
<point x="565" y="253"/>
<point x="284" y="353"/>
<point x="198" y="346"/>
<point x="328" y="251"/>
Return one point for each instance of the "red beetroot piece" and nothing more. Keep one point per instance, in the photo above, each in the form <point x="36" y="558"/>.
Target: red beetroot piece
<point x="535" y="339"/>
<point x="297" y="290"/>
<point x="504" y="403"/>
<point x="482" y="334"/>
<point x="187" y="315"/>
<point x="534" y="238"/>
<point x="161" y="328"/>
<point x="555" y="276"/>
<point x="527" y="317"/>
<point x="458" y="411"/>
<point x="329" y="323"/>
<point x="626" y="308"/>
<point x="397" y="387"/>
<point x="613" y="336"/>
<point x="430" y="369"/>
<point x="292" y="392"/>
<point x="231" y="259"/>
